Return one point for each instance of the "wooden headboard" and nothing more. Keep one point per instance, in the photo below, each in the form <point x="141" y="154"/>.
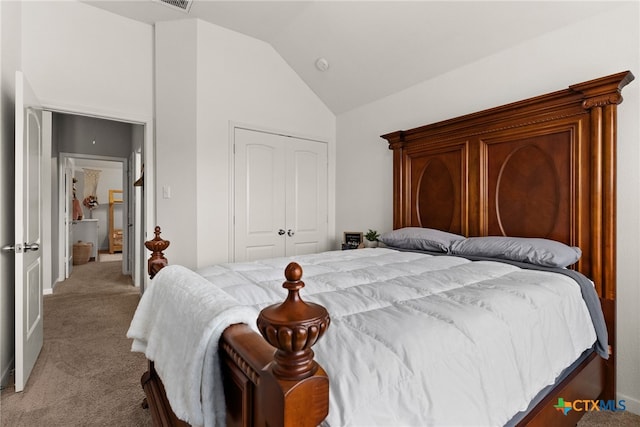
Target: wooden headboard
<point x="542" y="167"/>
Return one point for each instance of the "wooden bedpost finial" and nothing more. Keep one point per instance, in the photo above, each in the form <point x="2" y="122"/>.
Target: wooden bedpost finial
<point x="293" y="327"/>
<point x="156" y="246"/>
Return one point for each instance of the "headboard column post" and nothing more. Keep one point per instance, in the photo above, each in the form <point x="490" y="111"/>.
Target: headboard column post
<point x="610" y="200"/>
<point x="603" y="112"/>
<point x="596" y="198"/>
<point x="608" y="293"/>
<point x="400" y="180"/>
<point x="401" y="187"/>
<point x="601" y="98"/>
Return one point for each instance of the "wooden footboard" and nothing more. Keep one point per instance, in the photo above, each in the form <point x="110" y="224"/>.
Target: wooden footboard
<point x="266" y="380"/>
<point x="586" y="382"/>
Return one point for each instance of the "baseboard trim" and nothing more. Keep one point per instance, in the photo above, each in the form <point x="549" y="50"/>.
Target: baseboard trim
<point x="632" y="404"/>
<point x="6" y="373"/>
<point x="49" y="291"/>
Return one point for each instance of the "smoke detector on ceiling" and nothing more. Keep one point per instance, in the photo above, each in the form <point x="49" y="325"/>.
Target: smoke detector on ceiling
<point x="322" y="64"/>
<point x="183" y="5"/>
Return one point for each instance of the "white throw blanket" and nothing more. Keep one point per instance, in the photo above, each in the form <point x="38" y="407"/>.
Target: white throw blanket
<point x="176" y="319"/>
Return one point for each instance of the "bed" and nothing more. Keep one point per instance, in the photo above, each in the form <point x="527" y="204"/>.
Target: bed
<point x="539" y="168"/>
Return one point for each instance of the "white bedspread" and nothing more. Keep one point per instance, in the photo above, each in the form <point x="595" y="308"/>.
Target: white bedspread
<point x="423" y="340"/>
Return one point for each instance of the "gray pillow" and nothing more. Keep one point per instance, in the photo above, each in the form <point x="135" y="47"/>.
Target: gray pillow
<point x="545" y="252"/>
<point x="426" y="239"/>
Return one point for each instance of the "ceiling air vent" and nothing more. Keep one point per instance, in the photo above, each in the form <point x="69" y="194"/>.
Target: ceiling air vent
<point x="183" y="5"/>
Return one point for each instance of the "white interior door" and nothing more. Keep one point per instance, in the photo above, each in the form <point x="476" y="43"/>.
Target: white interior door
<point x="126" y="218"/>
<point x="131" y="220"/>
<point x="28" y="230"/>
<point x="306" y="187"/>
<point x="259" y="197"/>
<point x="138" y="229"/>
<point x="280" y="195"/>
<point x="68" y="217"/>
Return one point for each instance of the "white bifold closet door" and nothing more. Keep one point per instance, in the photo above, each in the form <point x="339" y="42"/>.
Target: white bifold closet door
<point x="280" y="195"/>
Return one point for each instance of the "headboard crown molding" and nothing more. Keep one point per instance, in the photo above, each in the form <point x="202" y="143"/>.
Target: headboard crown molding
<point x="603" y="91"/>
<point x="593" y="93"/>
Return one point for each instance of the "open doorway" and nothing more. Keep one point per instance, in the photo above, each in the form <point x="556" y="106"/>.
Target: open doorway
<point x="98" y="229"/>
<point x="100" y="158"/>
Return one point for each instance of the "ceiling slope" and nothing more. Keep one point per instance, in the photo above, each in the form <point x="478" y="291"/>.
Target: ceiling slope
<point x="374" y="48"/>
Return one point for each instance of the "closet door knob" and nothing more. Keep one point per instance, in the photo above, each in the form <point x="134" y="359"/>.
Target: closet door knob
<point x="281" y="232"/>
<point x="290" y="233"/>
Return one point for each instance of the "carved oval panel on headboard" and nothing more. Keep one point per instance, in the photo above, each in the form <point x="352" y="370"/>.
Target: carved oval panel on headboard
<point x="527" y="193"/>
<point x="435" y="196"/>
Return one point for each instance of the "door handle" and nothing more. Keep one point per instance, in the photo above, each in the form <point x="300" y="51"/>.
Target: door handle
<point x="31" y="247"/>
<point x="281" y="232"/>
<point x="21" y="248"/>
<point x="290" y="233"/>
<point x="12" y="248"/>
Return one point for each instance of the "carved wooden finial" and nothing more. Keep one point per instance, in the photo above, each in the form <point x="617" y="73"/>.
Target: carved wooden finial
<point x="156" y="245"/>
<point x="293" y="327"/>
<point x="293" y="273"/>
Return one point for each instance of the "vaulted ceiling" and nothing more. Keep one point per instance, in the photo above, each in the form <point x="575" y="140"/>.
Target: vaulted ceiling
<point x="374" y="48"/>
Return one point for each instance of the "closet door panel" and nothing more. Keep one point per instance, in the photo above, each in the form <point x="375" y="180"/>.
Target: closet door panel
<point x="259" y="195"/>
<point x="306" y="197"/>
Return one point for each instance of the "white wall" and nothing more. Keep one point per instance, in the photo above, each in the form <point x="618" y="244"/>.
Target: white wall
<point x="602" y="45"/>
<point x="239" y="80"/>
<point x="176" y="96"/>
<point x="82" y="58"/>
<point x="10" y="42"/>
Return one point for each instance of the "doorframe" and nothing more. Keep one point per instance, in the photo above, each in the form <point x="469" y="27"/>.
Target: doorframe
<point x="47" y="226"/>
<point x="64" y="193"/>
<point x="148" y="202"/>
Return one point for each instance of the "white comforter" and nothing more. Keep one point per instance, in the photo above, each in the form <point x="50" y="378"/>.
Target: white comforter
<point x="424" y="340"/>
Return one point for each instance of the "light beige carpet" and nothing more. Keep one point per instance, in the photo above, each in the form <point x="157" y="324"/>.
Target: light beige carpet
<point x="609" y="419"/>
<point x="86" y="374"/>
